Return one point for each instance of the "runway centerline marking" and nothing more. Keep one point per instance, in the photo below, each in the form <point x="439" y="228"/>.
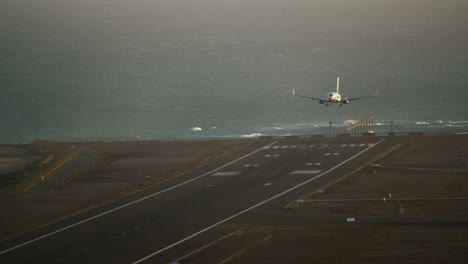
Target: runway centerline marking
<point x="305" y="172"/>
<point x="226" y="173"/>
<point x="253" y="207"/>
<point x="134" y="202"/>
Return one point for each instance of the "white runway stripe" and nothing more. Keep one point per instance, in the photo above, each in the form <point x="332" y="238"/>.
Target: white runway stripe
<point x="226" y="173"/>
<point x="305" y="172"/>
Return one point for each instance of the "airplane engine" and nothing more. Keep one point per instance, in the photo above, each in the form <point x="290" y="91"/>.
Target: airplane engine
<point x="321" y="102"/>
<point x="345" y="101"/>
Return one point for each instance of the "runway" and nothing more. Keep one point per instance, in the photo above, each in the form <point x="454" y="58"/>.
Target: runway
<point x="167" y="221"/>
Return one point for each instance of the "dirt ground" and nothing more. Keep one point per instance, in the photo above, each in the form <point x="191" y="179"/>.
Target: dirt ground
<point x="117" y="170"/>
<point x="397" y="230"/>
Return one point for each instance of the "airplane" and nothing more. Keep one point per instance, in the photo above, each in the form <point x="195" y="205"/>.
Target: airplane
<point x="334" y="97"/>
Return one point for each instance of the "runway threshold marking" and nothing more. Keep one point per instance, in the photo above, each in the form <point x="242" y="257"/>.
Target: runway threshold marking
<point x="254" y="206"/>
<point x="132" y="203"/>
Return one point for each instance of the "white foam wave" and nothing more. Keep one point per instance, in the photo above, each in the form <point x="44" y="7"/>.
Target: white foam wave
<point x="196" y="129"/>
<point x="458" y="122"/>
<point x="251" y="135"/>
<point x="350" y="121"/>
<point x="422" y="123"/>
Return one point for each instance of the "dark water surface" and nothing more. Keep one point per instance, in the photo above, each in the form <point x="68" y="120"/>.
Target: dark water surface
<point x="124" y="70"/>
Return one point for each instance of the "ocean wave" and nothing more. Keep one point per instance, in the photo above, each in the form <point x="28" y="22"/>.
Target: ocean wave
<point x="251" y="135"/>
<point x="350" y="122"/>
<point x="422" y="123"/>
<point x="457" y="122"/>
<point x="196" y="129"/>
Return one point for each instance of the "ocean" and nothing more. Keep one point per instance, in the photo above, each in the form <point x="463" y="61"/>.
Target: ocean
<point x="190" y="70"/>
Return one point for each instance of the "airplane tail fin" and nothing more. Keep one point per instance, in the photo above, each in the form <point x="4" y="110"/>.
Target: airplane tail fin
<point x="337" y="85"/>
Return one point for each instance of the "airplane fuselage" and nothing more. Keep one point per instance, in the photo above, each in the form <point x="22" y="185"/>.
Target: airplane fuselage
<point x="333" y="97"/>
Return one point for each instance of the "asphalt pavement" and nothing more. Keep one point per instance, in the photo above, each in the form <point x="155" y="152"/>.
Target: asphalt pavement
<point x="160" y="224"/>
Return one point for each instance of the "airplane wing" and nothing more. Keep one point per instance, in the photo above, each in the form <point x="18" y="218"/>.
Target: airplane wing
<point x="357" y="98"/>
<point x="308" y="97"/>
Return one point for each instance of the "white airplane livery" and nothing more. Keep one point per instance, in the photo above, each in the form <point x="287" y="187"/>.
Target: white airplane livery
<point x="334" y="97"/>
